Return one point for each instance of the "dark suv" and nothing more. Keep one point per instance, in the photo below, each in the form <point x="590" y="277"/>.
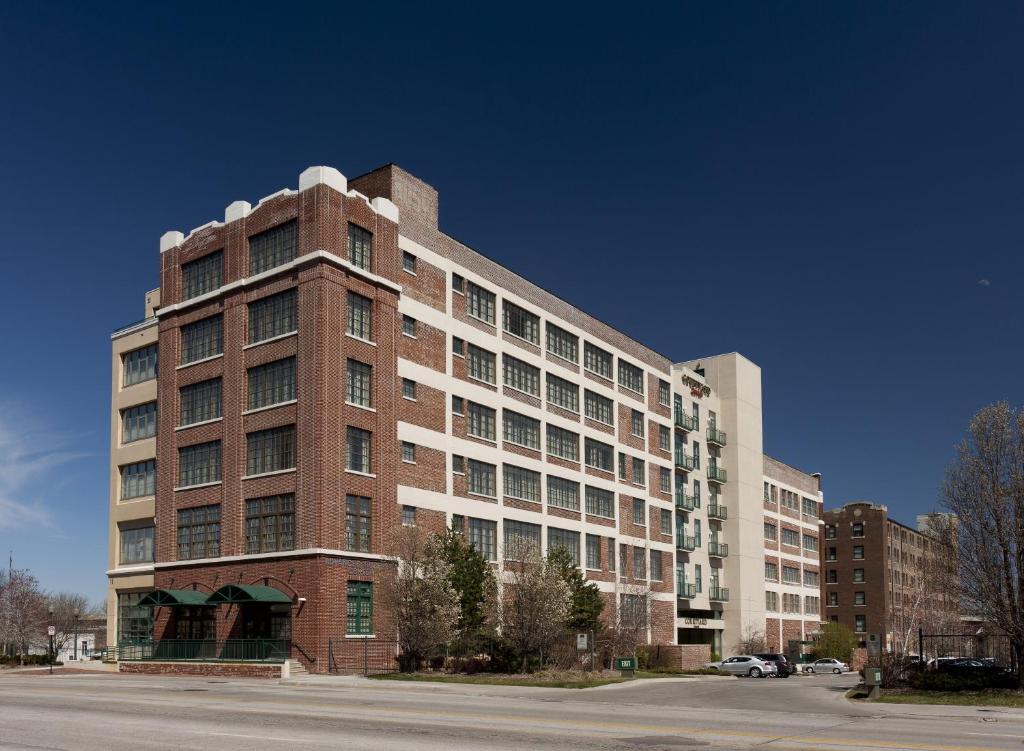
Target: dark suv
<point x="782" y="664"/>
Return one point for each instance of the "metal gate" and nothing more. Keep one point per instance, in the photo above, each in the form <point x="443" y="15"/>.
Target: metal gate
<point x="362" y="656"/>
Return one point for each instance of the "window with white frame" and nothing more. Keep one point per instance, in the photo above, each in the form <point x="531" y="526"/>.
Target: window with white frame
<point x="771" y="532"/>
<point x="481" y="478"/>
<point x="521" y="483"/>
<point x="811" y="579"/>
<point x="600" y="502"/>
<point x="597" y="360"/>
<point x="408" y="262"/>
<point x="631" y="376"/>
<point x="598" y="455"/>
<point x="598" y="407"/>
<point x="790" y="575"/>
<point x="520" y="322"/>
<point x="520" y="429"/>
<point x="560" y="342"/>
<point x="481" y="421"/>
<point x="771" y="602"/>
<point x="409" y="326"/>
<point x="771" y="571"/>
<point x="563" y="443"/>
<point x="138" y="423"/>
<point x="138" y="480"/>
<point x="790" y="537"/>
<point x="563" y="393"/>
<point x="408" y="452"/>
<point x="520" y="375"/>
<point x="563" y="493"/>
<point x="811" y="543"/>
<point x="480" y="364"/>
<point x="480" y="303"/>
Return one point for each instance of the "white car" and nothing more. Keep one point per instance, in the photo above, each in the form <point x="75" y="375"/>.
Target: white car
<point x="749" y="665"/>
<point x="827" y="665"/>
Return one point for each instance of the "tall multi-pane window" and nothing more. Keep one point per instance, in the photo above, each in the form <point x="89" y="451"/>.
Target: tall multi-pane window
<point x="563" y="393"/>
<point x="663" y="393"/>
<point x="360" y="316"/>
<point x="199" y="464"/>
<point x="480" y="421"/>
<point x="597" y="360"/>
<point x="771" y="571"/>
<point x="638" y="422"/>
<point x="639" y="563"/>
<point x="598" y="454"/>
<point x="480" y="364"/>
<point x="811" y="543"/>
<point x="480" y="478"/>
<point x="483" y="537"/>
<point x="600" y="502"/>
<point x="270" y="523"/>
<point x="139" y="365"/>
<point x="272" y="383"/>
<point x="563" y="493"/>
<point x="521" y="534"/>
<point x="199" y="532"/>
<point x="639" y="472"/>
<point x="458" y="284"/>
<point x="137" y="545"/>
<point x="360" y="246"/>
<point x="270" y="450"/>
<point x="611" y="554"/>
<point x="665" y="479"/>
<point x="134" y="621"/>
<point x="520" y="429"/>
<point x="409" y="326"/>
<point x="200" y="402"/>
<point x="860" y="624"/>
<point x="202" y="275"/>
<point x="811" y="579"/>
<point x="631" y="376"/>
<point x="790" y="575"/>
<point x="273" y="316"/>
<point x="598" y="407"/>
<point x="562" y="343"/>
<point x="408" y="452"/>
<point x="358" y="523"/>
<point x="360" y="381"/>
<point x="358" y="452"/>
<point x="138" y="422"/>
<point x="664" y="438"/>
<point x="563" y="443"/>
<point x="272" y="248"/>
<point x="666" y="522"/>
<point x="811" y="605"/>
<point x="566" y="539"/>
<point x="359" y="608"/>
<point x="408" y="262"/>
<point x="202" y="339"/>
<point x="593" y="552"/>
<point x="771" y="532"/>
<point x="408" y="516"/>
<point x="771" y="602"/>
<point x="656" y="565"/>
<point x="810" y="507"/>
<point x="790" y="537"/>
<point x="138" y="480"/>
<point x="521" y="483"/>
<point x="480" y="303"/>
<point x="409" y="389"/>
<point x="520" y="375"/>
<point x="639" y="512"/>
<point x="519" y="322"/>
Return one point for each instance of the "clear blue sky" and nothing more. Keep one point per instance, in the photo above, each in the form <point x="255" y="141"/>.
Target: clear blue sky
<point x="841" y="176"/>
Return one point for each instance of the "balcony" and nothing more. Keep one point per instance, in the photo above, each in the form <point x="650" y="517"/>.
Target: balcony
<point x="718" y="549"/>
<point x="717" y="511"/>
<point x="685" y="591"/>
<point x="719" y="594"/>
<point x="716" y="474"/>
<point x="684" y="461"/>
<point x="716" y="436"/>
<point x="686" y="542"/>
<point x="684" y="502"/>
<point x="686" y="422"/>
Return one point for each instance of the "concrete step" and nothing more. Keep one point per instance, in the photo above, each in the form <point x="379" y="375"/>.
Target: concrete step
<point x="296" y="668"/>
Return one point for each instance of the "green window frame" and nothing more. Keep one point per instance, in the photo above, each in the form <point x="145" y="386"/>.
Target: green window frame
<point x="359" y="608"/>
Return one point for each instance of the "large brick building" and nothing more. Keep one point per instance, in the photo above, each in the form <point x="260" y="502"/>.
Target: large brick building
<point x="333" y="366"/>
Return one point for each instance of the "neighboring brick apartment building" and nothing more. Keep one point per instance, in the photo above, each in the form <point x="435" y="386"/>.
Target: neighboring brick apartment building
<point x="334" y="366"/>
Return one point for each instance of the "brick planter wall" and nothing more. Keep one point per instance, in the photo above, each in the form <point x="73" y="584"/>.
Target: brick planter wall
<point x="230" y="669"/>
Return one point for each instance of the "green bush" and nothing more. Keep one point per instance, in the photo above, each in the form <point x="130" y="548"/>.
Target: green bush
<point x="937" y="680"/>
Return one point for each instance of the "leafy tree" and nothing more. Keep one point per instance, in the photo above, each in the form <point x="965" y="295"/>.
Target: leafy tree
<point x="474" y="584"/>
<point x="837" y="641"/>
<point x="585" y="603"/>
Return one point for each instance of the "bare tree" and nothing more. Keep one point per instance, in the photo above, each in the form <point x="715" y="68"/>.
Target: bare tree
<point x="534" y="600"/>
<point x="984" y="488"/>
<point x="421" y="597"/>
<point x="64" y="610"/>
<point x="22" y="612"/>
<point x="752" y="641"/>
<point x="631" y="622"/>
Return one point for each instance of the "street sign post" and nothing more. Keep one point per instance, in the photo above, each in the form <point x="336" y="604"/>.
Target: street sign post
<point x="626" y="666"/>
<point x="51" y="631"/>
<point x="581" y="642"/>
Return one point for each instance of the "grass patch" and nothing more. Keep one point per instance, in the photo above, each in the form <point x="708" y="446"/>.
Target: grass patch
<point x="540" y="680"/>
<point x="965" y="698"/>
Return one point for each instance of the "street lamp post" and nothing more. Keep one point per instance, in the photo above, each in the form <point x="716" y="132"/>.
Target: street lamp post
<point x="76" y="635"/>
<point x="50" y="632"/>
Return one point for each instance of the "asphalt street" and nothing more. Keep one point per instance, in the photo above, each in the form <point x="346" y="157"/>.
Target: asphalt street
<point x="100" y="712"/>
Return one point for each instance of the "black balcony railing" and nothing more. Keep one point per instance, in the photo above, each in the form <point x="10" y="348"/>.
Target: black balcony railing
<point x="206" y="650"/>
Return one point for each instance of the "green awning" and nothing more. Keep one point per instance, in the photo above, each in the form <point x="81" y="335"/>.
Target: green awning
<point x="173" y="597"/>
<point x="236" y="593"/>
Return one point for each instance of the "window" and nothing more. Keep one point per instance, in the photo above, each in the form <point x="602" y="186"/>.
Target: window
<point x="696" y="532"/>
<point x="858" y="575"/>
<point x="359" y="608"/>
<point x="830" y="531"/>
<point x="272" y="248"/>
<point x="199" y="532"/>
<point x="270" y="450"/>
<point x="597" y="360"/>
<point x="458" y="464"/>
<point x="663" y="393"/>
<point x="593" y="552"/>
<point x="139" y="365"/>
<point x="564" y="538"/>
<point x="202" y="339"/>
<point x="811" y="605"/>
<point x="563" y="393"/>
<point x="770" y="531"/>
<point x="598" y="407"/>
<point x="358" y="523"/>
<point x="138" y="422"/>
<point x="563" y="493"/>
<point x="360" y="316"/>
<point x="790" y="575"/>
<point x="563" y="443"/>
<point x="458" y="405"/>
<point x="274" y="383"/>
<point x="771" y="572"/>
<point x="562" y="343"/>
<point x="639" y="563"/>
<point x="270" y="524"/>
<point x="358" y="450"/>
<point x="664" y="438"/>
<point x="790" y="537"/>
<point x="409" y="326"/>
<point x="811" y="543"/>
<point x="138" y="480"/>
<point x="665" y="479"/>
<point x="696" y="493"/>
<point x="521" y="375"/>
<point x="202" y="275"/>
<point x="833" y="599"/>
<point x="521" y="483"/>
<point x="481" y="478"/>
<point x="623" y="469"/>
<point x="200" y="402"/>
<point x="600" y="502"/>
<point x="638" y="423"/>
<point x="666" y="522"/>
<point x="611" y="554"/>
<point x="831" y="555"/>
<point x="408" y="262"/>
<point x="360" y="383"/>
<point x="860" y="598"/>
<point x="483" y="537"/>
<point x="515" y="531"/>
<point x="832" y="576"/>
<point x="199" y="464"/>
<point x="458" y="283"/>
<point x="858" y="552"/>
<point x="790" y="603"/>
<point x="639" y="512"/>
<point x="360" y="247"/>
<point x="133" y="622"/>
<point x="520" y="429"/>
<point x="810" y="507"/>
<point x="408" y="452"/>
<point x="273" y="316"/>
<point x="481" y="421"/>
<point x="408" y="516"/>
<point x="698" y="577"/>
<point x="137" y="545"/>
<point x="481" y="364"/>
<point x="480" y="303"/>
<point x="458" y="346"/>
<point x="639" y="472"/>
<point x="771" y="602"/>
<point x="631" y="376"/>
<point x="860" y="623"/>
<point x="696" y="455"/>
<point x="811" y="579"/>
<point x="409" y="389"/>
<point x="598" y="454"/>
<point x="857" y="530"/>
<point x="519" y="322"/>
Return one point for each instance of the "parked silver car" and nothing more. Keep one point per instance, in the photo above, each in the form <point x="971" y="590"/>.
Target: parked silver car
<point x="745" y="665"/>
<point x="827" y="665"/>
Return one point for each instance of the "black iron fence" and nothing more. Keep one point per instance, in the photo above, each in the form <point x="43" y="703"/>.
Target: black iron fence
<point x="205" y="650"/>
<point x="992" y="648"/>
<point x="364" y="656"/>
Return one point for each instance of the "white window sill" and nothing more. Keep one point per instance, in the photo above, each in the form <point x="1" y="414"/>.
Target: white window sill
<point x="410" y="398"/>
<point x="361" y="474"/>
<point x="481" y="495"/>
<point x="137" y="498"/>
<point x="406" y="461"/>
<point x="632" y="391"/>
<point x="410" y="273"/>
<point x="269" y="474"/>
<point x="482" y="320"/>
<point x="557" y="356"/>
<point x="488" y="441"/>
<point x="360" y="636"/>
<point x="567" y="409"/>
<point x="199" y="362"/>
<point x="196" y="487"/>
<point x="409" y="336"/>
<point x="359" y="406"/>
<point x="277" y="338"/>
<point x="360" y="339"/>
<point x="481" y="380"/>
<point x="198" y="424"/>
<point x="522" y="445"/>
<point x="599" y="375"/>
<point x="520" y="391"/>
<point x="520" y="498"/>
<point x="270" y="406"/>
<point x="522" y="338"/>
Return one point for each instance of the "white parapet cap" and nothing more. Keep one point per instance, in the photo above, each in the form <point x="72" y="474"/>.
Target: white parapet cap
<point x="309" y="178"/>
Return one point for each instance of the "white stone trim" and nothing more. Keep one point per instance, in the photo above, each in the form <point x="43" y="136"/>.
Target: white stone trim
<point x="237" y="210"/>
<point x="270" y="406"/>
<point x="270" y="474"/>
<point x="328" y="176"/>
<point x="197" y="424"/>
<point x="277" y="554"/>
<point x="127" y="570"/>
<point x="277" y="338"/>
<point x="197" y="362"/>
